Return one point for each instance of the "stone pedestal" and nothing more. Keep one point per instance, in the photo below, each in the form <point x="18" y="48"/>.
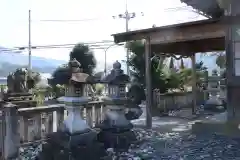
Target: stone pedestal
<point x="22" y="100"/>
<point x="68" y="146"/>
<point x="116" y="130"/>
<point x="74" y="121"/>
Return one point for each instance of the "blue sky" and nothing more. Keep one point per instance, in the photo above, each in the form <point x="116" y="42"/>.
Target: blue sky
<point x="14" y="23"/>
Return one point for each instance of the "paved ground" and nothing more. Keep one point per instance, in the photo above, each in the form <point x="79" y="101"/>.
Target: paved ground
<point x="171" y="139"/>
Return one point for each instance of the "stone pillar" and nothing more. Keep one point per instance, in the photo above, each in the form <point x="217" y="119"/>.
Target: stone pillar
<point x="12" y="137"/>
<point x="233" y="59"/>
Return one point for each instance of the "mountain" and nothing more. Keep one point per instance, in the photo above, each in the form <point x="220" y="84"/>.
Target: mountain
<point x="11" y="60"/>
<point x="22" y="59"/>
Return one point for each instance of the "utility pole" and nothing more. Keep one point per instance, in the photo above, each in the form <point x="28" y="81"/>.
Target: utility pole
<point x="127" y="16"/>
<point x="29" y="42"/>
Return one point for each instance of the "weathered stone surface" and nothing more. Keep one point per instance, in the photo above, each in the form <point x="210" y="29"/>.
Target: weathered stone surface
<point x="119" y="140"/>
<point x="64" y="146"/>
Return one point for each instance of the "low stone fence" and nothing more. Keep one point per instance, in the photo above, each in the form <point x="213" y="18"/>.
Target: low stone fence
<point x="35" y="123"/>
<point x="177" y="100"/>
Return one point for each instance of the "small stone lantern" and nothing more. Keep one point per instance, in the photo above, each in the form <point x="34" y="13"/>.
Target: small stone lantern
<point x="75" y="139"/>
<point x="223" y="88"/>
<point x="213" y="88"/>
<point x="116" y="129"/>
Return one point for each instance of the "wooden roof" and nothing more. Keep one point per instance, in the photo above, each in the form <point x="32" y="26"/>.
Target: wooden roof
<point x="207" y="7"/>
<point x="184" y="38"/>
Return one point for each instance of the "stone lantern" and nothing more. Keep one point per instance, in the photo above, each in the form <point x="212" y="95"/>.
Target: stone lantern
<point x="74" y="139"/>
<point x="116" y="128"/>
<point x="223" y="89"/>
<point x="214" y="89"/>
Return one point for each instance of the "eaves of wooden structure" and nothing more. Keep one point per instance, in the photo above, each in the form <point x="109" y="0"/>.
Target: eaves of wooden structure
<point x="206" y="7"/>
<point x="181" y="39"/>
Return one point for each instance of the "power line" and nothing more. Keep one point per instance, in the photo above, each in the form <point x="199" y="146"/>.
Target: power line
<point x="121" y="16"/>
<point x="92" y="45"/>
<point x="67" y="47"/>
<point x="69" y="44"/>
<point x="68" y="20"/>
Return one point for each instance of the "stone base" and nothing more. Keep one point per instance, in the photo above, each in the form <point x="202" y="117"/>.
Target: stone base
<point x="223" y="128"/>
<point x="117" y="139"/>
<point x="133" y="113"/>
<point x="79" y="146"/>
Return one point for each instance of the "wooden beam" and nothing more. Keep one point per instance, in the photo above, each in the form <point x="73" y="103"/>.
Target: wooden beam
<point x="191" y="33"/>
<point x="184" y="48"/>
<point x="203" y="29"/>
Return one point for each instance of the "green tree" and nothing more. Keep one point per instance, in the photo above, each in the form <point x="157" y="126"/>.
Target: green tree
<point x="81" y="53"/>
<point x="160" y="79"/>
<point x="186" y="74"/>
<point x="85" y="56"/>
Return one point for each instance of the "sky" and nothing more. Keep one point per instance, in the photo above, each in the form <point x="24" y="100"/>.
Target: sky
<point x="97" y="23"/>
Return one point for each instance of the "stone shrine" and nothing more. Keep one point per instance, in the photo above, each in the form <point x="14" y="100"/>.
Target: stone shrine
<point x="74" y="139"/>
<point x="116" y="129"/>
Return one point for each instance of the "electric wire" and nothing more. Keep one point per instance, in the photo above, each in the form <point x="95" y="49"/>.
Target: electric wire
<point x="101" y="18"/>
<point x="62" y="46"/>
<point x="71" y="45"/>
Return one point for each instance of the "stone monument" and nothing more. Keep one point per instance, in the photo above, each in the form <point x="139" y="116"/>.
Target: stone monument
<point x="19" y="84"/>
<point x="116" y="129"/>
<point x="74" y="139"/>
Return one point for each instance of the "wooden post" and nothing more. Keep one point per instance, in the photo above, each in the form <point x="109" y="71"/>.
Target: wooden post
<point x="232" y="43"/>
<point x="12" y="137"/>
<point x="194" y="80"/>
<point x="148" y="83"/>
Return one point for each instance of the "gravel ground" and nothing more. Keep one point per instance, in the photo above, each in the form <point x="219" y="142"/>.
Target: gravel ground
<point x="170" y="146"/>
<point x="170" y="139"/>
